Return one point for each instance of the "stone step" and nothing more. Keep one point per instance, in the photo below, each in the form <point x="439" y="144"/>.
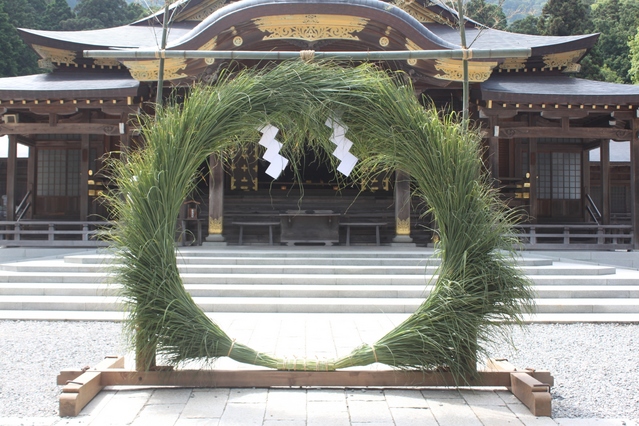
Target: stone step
<point x="288" y="260"/>
<point x="304" y="304"/>
<point x="309" y="291"/>
<point x="55" y="267"/>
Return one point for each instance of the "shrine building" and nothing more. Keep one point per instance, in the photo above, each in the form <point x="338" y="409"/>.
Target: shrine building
<point x="540" y="123"/>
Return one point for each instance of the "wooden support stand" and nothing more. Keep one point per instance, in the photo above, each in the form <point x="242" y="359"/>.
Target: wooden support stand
<point x="80" y="386"/>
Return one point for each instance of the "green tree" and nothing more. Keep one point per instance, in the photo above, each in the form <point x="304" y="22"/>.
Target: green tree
<point x="616" y="21"/>
<point x="527" y="25"/>
<point x="488" y="14"/>
<point x="634" y="58"/>
<point x="95" y="14"/>
<point x="564" y="17"/>
<point x="21" y="14"/>
<point x="56" y="12"/>
<point x="8" y="40"/>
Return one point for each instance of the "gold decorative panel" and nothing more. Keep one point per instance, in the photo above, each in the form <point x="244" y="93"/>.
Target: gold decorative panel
<point x="561" y="60"/>
<point x="106" y="62"/>
<point x="421" y="13"/>
<point x="513" y="64"/>
<point x="402" y="226"/>
<point x="452" y="69"/>
<point x="148" y="70"/>
<point x="215" y="225"/>
<point x="310" y="27"/>
<point x="244" y="170"/>
<point x="56" y="56"/>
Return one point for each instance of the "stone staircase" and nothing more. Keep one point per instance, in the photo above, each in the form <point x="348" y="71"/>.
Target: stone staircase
<point x="306" y="280"/>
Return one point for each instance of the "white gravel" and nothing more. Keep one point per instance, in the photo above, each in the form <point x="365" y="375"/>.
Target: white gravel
<point x="596" y="366"/>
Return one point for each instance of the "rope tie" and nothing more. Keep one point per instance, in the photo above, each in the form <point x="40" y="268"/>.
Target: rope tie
<point x="307" y="55"/>
<point x="467" y="54"/>
<point x="374" y="353"/>
<point x="231" y="349"/>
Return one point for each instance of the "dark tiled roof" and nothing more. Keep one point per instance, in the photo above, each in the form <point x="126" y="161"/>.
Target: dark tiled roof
<point x="127" y="37"/>
<point x="559" y="89"/>
<point x="65" y="85"/>
<point x="486" y="38"/>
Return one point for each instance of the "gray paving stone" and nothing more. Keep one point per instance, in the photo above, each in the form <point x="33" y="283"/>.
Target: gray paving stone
<point x="284" y="423"/>
<point x="592" y="422"/>
<point x="526" y="417"/>
<point x="207" y="404"/>
<point x="287" y="405"/>
<point x="158" y="415"/>
<point x="496" y="415"/>
<point x="411" y="416"/>
<point x="453" y="412"/>
<point x="398" y="398"/>
<point x="365" y="395"/>
<point x="243" y="414"/>
<point x="325" y="395"/>
<point x="170" y="396"/>
<point x="197" y="422"/>
<point x="122" y="409"/>
<point x="369" y="411"/>
<point x="438" y="394"/>
<point x="321" y="413"/>
<point x="481" y="397"/>
<point x="248" y="395"/>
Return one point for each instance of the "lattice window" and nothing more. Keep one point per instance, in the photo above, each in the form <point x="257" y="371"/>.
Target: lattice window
<point x="58" y="172"/>
<point x="559" y="176"/>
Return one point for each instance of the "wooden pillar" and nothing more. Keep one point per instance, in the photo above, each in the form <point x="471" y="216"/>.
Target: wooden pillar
<point x="534" y="178"/>
<point x="634" y="180"/>
<point x="585" y="185"/>
<point x="84" y="178"/>
<point x="31" y="175"/>
<point x="605" y="181"/>
<point x="216" y="201"/>
<point x="402" y="209"/>
<point x="12" y="162"/>
<point x="493" y="148"/>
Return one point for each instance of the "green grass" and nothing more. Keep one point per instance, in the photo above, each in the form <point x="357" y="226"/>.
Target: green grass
<point x="477" y="286"/>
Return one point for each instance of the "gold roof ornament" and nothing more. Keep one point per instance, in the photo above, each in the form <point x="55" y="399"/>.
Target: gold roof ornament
<point x="452" y="69"/>
<point x="310" y="27"/>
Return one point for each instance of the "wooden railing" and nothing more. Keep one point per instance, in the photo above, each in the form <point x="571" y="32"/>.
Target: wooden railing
<point x="576" y="237"/>
<point x="28" y="233"/>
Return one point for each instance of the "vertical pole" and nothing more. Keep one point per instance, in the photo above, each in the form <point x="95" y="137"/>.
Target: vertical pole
<point x="605" y="181"/>
<point x="165" y="29"/>
<point x="465" y="88"/>
<point x="12" y="162"/>
<point x="493" y="150"/>
<point x="402" y="209"/>
<point x="634" y="180"/>
<point x="84" y="178"/>
<point x="31" y="172"/>
<point x="216" y="201"/>
<point x="585" y="174"/>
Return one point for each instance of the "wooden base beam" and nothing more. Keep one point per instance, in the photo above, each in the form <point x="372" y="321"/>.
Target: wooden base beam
<point x="80" y="386"/>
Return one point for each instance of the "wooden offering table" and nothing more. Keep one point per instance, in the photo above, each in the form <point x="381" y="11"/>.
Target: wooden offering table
<point x="309" y="227"/>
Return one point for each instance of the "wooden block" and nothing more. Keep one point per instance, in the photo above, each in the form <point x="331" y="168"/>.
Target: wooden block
<point x="78" y="393"/>
<point x="533" y="393"/>
<point x="272" y="378"/>
<point x="68" y="375"/>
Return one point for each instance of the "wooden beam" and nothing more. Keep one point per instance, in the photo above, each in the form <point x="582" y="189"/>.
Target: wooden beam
<point x="558" y="132"/>
<point x="634" y="180"/>
<point x="12" y="175"/>
<point x="61" y="128"/>
<point x="534" y="394"/>
<point x="605" y="180"/>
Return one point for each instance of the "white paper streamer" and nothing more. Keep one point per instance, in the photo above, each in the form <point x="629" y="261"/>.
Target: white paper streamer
<point x="342" y="152"/>
<point x="272" y="153"/>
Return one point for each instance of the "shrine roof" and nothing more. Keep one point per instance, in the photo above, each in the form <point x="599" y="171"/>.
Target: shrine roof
<point x="487" y="38"/>
<point x="124" y="37"/>
<point x="556" y="89"/>
<point x="66" y="85"/>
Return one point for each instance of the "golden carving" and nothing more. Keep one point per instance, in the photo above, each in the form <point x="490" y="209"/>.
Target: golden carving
<point x="56" y="56"/>
<point x="106" y="62"/>
<point x="452" y="70"/>
<point x="215" y="225"/>
<point x="148" y="70"/>
<point x="411" y="45"/>
<point x="513" y="64"/>
<point x="402" y="226"/>
<point x="561" y="60"/>
<point x="310" y="27"/>
<point x="574" y="67"/>
<point x="237" y="41"/>
<point x="383" y="41"/>
<point x="203" y="11"/>
<point x="421" y="13"/>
